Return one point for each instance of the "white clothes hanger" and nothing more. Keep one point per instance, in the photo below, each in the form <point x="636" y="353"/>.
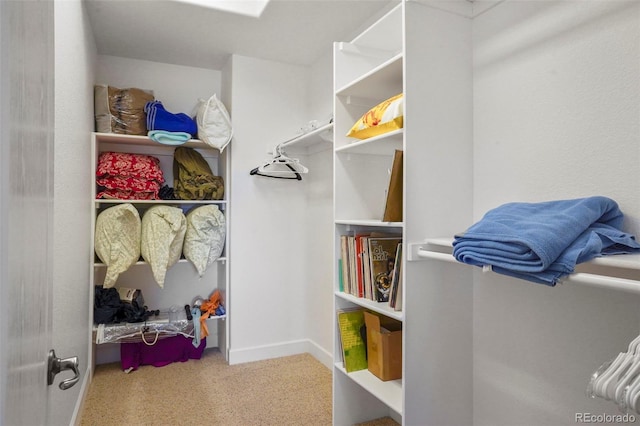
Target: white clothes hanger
<point x="619" y="379"/>
<point x="281" y="167"/>
<point x="629" y="398"/>
<point x="606" y="383"/>
<point x="626" y="368"/>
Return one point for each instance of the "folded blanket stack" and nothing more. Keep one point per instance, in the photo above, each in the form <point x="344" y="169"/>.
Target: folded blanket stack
<point x="158" y="118"/>
<point x="169" y="138"/>
<point x="542" y="242"/>
<point x="128" y="176"/>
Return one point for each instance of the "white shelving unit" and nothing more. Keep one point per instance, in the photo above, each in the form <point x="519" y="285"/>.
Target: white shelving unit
<point x="483" y="122"/>
<point x="182" y="283"/>
<point x="364" y="75"/>
<point x="417" y="50"/>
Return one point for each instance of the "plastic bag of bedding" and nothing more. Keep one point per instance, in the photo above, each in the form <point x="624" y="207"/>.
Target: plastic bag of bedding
<point x="120" y="110"/>
<point x="214" y="123"/>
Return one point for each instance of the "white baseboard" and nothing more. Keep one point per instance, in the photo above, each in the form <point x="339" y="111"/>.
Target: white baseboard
<point x="107" y="353"/>
<point x="295" y="347"/>
<point x="321" y="354"/>
<point x="76" y="418"/>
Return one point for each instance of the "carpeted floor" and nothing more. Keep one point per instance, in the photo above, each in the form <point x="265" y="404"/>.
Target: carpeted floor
<point x="293" y="390"/>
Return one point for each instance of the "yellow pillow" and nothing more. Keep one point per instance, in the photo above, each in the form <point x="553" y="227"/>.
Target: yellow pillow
<point x="384" y="117"/>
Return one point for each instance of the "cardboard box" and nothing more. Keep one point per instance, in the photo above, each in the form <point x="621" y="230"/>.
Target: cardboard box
<point x="384" y="346"/>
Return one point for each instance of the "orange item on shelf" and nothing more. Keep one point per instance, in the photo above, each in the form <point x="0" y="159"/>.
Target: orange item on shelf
<point x="208" y="308"/>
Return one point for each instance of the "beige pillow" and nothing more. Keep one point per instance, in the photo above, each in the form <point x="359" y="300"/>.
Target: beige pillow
<point x="117" y="240"/>
<point x="204" y="240"/>
<point x="162" y="237"/>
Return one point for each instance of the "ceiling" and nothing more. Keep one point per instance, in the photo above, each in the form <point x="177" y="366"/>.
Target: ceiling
<point x="291" y="31"/>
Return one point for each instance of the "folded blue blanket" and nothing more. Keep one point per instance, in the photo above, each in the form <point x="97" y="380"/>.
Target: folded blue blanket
<point x="158" y="118"/>
<point x="541" y="242"/>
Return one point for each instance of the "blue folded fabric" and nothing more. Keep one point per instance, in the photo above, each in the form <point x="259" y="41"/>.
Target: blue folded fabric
<point x="169" y="138"/>
<point x="195" y="314"/>
<point x="541" y="242"/>
<point x="158" y="118"/>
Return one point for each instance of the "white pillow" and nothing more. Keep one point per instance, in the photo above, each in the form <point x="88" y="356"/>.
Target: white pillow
<point x="204" y="240"/>
<point x="117" y="240"/>
<point x="214" y="123"/>
<point x="163" y="230"/>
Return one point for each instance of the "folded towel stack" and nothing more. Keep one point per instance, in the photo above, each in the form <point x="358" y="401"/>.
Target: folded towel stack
<point x="542" y="242"/>
<point x="169" y="138"/>
<point x="158" y="118"/>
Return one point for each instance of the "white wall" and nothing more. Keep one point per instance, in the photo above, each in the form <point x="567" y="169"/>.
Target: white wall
<point x="319" y="217"/>
<point x="75" y="56"/>
<point x="267" y="304"/>
<point x="320" y="99"/>
<point x="556" y="107"/>
<point x="177" y="87"/>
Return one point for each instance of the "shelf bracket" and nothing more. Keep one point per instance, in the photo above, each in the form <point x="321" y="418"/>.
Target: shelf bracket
<point x="412" y="252"/>
<point x="425" y="250"/>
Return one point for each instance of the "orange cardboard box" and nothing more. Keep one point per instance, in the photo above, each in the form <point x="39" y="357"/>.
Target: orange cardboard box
<point x="384" y="346"/>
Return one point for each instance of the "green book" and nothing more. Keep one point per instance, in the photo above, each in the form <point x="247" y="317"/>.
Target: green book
<point x="354" y="349"/>
<point x="340" y="280"/>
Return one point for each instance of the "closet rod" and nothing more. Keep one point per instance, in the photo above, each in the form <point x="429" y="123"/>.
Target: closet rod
<point x="594" y="280"/>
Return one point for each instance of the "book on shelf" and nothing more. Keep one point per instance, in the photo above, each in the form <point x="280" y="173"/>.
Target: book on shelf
<point x="340" y="276"/>
<point x="366" y="269"/>
<point x="352" y="330"/>
<point x="393" y="205"/>
<point x="344" y="256"/>
<point x="360" y="276"/>
<point x="353" y="274"/>
<point x="358" y="258"/>
<point x="398" y="304"/>
<point x="396" y="281"/>
<point x="382" y="252"/>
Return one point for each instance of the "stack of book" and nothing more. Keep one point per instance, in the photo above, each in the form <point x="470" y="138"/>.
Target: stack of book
<point x="370" y="267"/>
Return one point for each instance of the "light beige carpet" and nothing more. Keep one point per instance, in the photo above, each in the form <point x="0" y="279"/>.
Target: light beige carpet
<point x="293" y="390"/>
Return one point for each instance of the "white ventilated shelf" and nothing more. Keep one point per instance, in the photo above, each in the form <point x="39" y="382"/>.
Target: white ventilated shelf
<point x="379" y="307"/>
<point x="142" y="262"/>
<point x="389" y="392"/>
<point x="100" y="201"/>
<point x="118" y="139"/>
<point x="617" y="272"/>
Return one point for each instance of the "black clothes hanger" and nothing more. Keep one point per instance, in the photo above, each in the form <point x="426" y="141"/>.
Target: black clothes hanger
<point x="257" y="171"/>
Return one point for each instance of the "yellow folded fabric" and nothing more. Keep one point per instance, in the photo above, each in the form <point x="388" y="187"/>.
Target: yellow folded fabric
<point x="382" y="118"/>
